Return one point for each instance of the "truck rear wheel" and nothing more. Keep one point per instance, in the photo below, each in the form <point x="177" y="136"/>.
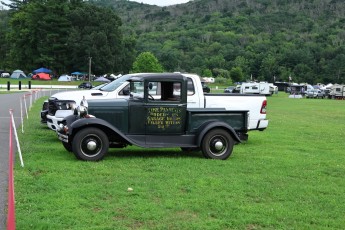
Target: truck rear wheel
<point x="90" y="144"/>
<point x="217" y="144"/>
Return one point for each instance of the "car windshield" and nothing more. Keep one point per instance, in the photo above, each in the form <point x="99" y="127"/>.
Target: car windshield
<point x="115" y="84"/>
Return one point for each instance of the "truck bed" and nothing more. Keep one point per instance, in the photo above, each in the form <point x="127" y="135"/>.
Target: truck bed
<point x="253" y="103"/>
<point x="236" y="119"/>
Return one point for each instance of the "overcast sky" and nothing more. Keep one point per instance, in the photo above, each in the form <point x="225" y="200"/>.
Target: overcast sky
<point x="153" y="2"/>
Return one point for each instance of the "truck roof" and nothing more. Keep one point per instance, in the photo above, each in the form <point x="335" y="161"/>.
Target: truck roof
<point x="156" y="76"/>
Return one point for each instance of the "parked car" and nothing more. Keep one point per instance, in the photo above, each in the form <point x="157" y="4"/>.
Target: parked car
<point x="205" y="87"/>
<point x="327" y="93"/>
<point x="44" y="112"/>
<point x="5" y="75"/>
<point x="237" y="89"/>
<point x="315" y="93"/>
<point x="85" y="85"/>
<point x="229" y="89"/>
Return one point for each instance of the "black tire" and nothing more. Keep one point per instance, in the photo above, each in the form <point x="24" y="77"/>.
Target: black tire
<point x="68" y="146"/>
<point x="217" y="144"/>
<point x="90" y="144"/>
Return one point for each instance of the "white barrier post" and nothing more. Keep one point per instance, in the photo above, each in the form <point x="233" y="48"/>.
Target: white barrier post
<point x="26" y="109"/>
<point x="21" y="114"/>
<point x="17" y="140"/>
<point x="30" y="101"/>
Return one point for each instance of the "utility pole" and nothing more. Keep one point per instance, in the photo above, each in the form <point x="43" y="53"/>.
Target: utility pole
<point x="90" y="68"/>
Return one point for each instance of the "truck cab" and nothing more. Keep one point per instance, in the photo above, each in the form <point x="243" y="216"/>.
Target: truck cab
<point x="155" y="116"/>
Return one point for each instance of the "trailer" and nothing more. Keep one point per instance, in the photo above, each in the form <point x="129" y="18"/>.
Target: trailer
<point x="337" y="92"/>
<point x="262" y="88"/>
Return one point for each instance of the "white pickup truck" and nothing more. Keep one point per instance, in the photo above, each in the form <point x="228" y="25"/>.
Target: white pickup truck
<point x="63" y="104"/>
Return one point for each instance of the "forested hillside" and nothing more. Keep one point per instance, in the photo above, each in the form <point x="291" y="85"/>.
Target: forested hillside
<point x="258" y="38"/>
<point x="237" y="39"/>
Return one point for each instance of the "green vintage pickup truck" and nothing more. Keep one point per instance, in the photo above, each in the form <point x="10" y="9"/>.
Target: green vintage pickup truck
<point x="154" y="116"/>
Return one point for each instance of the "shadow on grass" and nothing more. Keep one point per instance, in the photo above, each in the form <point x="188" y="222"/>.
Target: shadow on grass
<point x="153" y="153"/>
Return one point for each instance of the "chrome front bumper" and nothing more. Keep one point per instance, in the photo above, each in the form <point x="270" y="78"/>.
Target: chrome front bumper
<point x="62" y="137"/>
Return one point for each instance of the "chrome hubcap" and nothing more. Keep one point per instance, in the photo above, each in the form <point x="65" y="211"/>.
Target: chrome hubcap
<point x="218" y="145"/>
<point x="91" y="145"/>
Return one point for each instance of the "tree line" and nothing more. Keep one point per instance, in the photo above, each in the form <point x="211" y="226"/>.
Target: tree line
<point x="269" y="40"/>
<point x="64" y="35"/>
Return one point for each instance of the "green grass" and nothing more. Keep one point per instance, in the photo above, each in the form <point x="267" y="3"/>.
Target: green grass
<point x="291" y="176"/>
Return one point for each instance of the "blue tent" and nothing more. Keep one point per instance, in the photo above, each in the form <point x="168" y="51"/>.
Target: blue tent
<point x="76" y="73"/>
<point x="41" y="70"/>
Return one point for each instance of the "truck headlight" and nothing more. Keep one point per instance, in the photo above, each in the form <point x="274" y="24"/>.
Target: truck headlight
<point x="71" y="105"/>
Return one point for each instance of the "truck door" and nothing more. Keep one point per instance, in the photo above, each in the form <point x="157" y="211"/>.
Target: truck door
<point x="160" y="110"/>
<point x="165" y="110"/>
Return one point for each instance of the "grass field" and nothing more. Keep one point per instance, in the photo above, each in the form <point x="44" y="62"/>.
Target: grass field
<point x="291" y="176"/>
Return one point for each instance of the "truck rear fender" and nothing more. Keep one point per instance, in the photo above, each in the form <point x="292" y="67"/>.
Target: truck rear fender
<point x="216" y="124"/>
<point x="105" y="126"/>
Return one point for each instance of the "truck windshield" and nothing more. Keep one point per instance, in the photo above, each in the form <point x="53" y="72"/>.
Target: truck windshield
<point x="115" y="84"/>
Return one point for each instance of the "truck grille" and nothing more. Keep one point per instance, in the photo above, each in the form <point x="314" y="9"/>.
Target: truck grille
<point x="52" y="107"/>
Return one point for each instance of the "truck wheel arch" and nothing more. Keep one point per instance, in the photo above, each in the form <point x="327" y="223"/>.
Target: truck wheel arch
<point x="106" y="127"/>
<point x="216" y="124"/>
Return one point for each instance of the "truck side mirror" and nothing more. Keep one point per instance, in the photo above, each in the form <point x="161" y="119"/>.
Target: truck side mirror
<point x="150" y="86"/>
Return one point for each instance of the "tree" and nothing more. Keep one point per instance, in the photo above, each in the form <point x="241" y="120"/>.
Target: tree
<point x="4" y="17"/>
<point x="65" y="38"/>
<point x="236" y="74"/>
<point x="146" y="62"/>
<point x="95" y="33"/>
<point x="268" y="68"/>
<point x="207" y="73"/>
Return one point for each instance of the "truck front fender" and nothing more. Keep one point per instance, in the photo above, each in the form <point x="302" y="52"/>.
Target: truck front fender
<point x="216" y="124"/>
<point x="108" y="128"/>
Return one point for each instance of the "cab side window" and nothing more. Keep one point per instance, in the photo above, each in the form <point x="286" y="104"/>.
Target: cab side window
<point x="165" y="91"/>
<point x="190" y="87"/>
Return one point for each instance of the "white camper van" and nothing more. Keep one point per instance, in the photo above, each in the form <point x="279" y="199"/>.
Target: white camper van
<point x="273" y="89"/>
<point x="337" y="92"/>
<point x="256" y="88"/>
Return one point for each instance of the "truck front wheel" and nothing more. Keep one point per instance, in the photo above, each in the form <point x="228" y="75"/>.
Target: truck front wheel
<point x="67" y="146"/>
<point x="90" y="144"/>
<point x="217" y="144"/>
